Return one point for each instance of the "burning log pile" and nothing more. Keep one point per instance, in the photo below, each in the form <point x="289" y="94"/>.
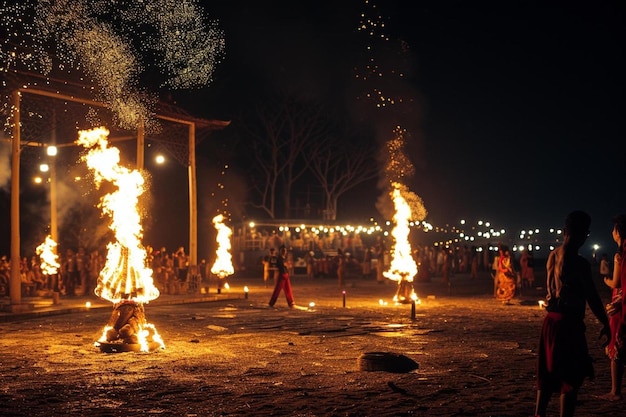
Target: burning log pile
<point x="128" y="330"/>
<point x="406" y="292"/>
<point x="125" y="322"/>
<point x="125" y="280"/>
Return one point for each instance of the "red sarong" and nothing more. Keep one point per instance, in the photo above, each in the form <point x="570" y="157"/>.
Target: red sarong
<point x="564" y="359"/>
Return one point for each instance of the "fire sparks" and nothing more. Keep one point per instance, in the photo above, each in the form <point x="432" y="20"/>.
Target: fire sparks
<point x="408" y="207"/>
<point x="223" y="265"/>
<point x="125" y="275"/>
<point x="48" y="256"/>
<point x="113" y="44"/>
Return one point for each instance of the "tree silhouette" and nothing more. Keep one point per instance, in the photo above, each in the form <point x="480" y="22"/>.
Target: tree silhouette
<point x="340" y="167"/>
<point x="284" y="134"/>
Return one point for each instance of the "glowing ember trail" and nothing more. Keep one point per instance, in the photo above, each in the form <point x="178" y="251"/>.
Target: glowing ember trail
<point x="125" y="280"/>
<point x="403" y="267"/>
<point x="47" y="254"/>
<point x="223" y="265"/>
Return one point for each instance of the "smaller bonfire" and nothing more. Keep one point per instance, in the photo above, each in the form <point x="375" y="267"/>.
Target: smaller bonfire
<point x="49" y="262"/>
<point x="223" y="266"/>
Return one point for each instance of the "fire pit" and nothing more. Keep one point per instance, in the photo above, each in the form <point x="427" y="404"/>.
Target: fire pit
<point x="128" y="330"/>
<point x="405" y="293"/>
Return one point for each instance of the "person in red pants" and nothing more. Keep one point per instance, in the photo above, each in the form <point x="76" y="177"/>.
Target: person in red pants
<point x="282" y="283"/>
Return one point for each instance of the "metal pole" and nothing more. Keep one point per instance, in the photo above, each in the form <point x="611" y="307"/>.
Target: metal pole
<point x="15" y="284"/>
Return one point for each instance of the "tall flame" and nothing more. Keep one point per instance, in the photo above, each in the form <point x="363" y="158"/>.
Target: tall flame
<point x="403" y="266"/>
<point x="47" y="254"/>
<point x="125" y="274"/>
<point x="223" y="265"/>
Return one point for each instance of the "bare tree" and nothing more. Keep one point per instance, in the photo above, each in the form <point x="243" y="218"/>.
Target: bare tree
<point x="285" y="135"/>
<point x="339" y="168"/>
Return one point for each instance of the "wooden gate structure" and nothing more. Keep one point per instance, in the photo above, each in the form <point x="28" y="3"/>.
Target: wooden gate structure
<point x="42" y="112"/>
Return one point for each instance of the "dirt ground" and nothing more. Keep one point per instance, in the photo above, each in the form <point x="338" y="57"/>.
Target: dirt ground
<point x="242" y="358"/>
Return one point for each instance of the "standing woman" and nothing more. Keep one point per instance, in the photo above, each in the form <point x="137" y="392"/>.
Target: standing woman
<point x="505" y="277"/>
<point x="615" y="349"/>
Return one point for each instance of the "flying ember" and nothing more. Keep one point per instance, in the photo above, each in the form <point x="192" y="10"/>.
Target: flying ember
<point x="125" y="280"/>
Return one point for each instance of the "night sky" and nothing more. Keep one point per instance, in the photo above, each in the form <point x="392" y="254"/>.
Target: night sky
<point x="517" y="106"/>
<point x="514" y="109"/>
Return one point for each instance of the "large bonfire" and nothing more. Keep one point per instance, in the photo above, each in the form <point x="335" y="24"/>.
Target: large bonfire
<point x="125" y="280"/>
<point x="408" y="207"/>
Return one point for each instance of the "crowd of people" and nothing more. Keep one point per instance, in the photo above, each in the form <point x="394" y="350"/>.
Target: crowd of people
<point x="78" y="272"/>
<point x="340" y="258"/>
<point x="433" y="261"/>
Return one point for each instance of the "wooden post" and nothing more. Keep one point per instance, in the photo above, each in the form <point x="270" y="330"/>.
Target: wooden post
<point x="15" y="284"/>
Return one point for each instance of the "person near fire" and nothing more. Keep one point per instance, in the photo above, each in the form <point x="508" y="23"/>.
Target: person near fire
<point x="70" y="273"/>
<point x="366" y="266"/>
<point x="266" y="269"/>
<point x="615" y="309"/>
<point x="505" y="277"/>
<point x="528" y="270"/>
<point x="379" y="255"/>
<point x="310" y="264"/>
<point x="282" y="282"/>
<point x="563" y="359"/>
<point x="273" y="265"/>
<point x="341" y="267"/>
<point x="182" y="266"/>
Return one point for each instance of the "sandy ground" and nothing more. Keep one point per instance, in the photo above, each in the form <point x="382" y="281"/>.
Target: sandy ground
<point x="476" y="357"/>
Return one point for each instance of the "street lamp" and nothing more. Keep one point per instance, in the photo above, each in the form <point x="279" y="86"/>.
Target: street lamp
<point x="594" y="255"/>
<point x="52" y="151"/>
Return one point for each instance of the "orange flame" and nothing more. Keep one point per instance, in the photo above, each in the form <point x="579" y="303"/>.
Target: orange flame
<point x="125" y="274"/>
<point x="48" y="256"/>
<point x="403" y="266"/>
<point x="223" y="265"/>
<point x="147" y="333"/>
